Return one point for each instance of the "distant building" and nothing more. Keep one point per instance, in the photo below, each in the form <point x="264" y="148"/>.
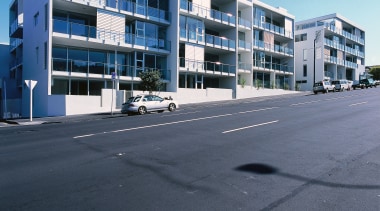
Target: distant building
<point x="339" y="47"/>
<point x="78" y="50"/>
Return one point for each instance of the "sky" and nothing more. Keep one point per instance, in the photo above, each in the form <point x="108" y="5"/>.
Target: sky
<point x="363" y="13"/>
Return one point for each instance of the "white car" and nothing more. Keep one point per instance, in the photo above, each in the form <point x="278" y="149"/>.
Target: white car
<point x="142" y="104"/>
<point x="340" y="85"/>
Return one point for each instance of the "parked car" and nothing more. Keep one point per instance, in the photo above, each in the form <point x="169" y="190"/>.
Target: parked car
<point x="323" y="86"/>
<point x="369" y="82"/>
<point x="340" y="85"/>
<point x="356" y="84"/>
<point x="142" y="104"/>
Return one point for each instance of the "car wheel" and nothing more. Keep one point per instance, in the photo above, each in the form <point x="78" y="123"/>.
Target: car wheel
<point x="142" y="110"/>
<point x="315" y="93"/>
<point x="172" y="107"/>
<point x="327" y="91"/>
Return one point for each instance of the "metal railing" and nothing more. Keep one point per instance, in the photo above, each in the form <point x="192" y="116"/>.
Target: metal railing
<point x="275" y="48"/>
<point x="132" y="7"/>
<point x="87" y="31"/>
<point x="205" y="66"/>
<point x="204" y="12"/>
<point x="273" y="28"/>
<point x="90" y="67"/>
<point x="273" y="66"/>
<point x="344" y="33"/>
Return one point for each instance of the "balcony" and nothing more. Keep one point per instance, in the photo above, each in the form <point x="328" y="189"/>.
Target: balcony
<point x="207" y="67"/>
<point x="245" y="67"/>
<point x="244" y="23"/>
<point x="273" y="48"/>
<point x="273" y="28"/>
<point x="14" y="43"/>
<point x="207" y="39"/>
<point x="269" y="66"/>
<point x="128" y="6"/>
<point x="243" y="45"/>
<point x="101" y="35"/>
<point x="344" y="33"/>
<point x="100" y="70"/>
<point x="220" y="42"/>
<point x="211" y="14"/>
<point x="16" y="28"/>
<point x="15" y="62"/>
<point x="334" y="44"/>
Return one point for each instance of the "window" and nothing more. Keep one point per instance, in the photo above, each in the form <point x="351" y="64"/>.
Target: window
<point x="305" y="70"/>
<point x="45" y="55"/>
<point x="305" y="54"/>
<point x="36" y="18"/>
<point x="37" y="50"/>
<point x="46" y="16"/>
<point x="301" y="37"/>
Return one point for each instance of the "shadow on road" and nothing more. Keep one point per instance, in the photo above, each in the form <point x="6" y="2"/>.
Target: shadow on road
<point x="258" y="168"/>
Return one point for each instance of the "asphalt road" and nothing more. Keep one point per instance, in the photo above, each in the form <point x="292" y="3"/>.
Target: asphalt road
<point x="315" y="152"/>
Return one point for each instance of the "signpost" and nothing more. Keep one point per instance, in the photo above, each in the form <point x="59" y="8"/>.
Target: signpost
<point x="31" y="84"/>
<point x="113" y="85"/>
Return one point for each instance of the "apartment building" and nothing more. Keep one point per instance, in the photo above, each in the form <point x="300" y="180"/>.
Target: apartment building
<point x="329" y="47"/>
<point x="83" y="53"/>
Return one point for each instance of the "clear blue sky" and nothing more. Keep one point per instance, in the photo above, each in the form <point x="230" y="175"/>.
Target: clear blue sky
<point x="363" y="12"/>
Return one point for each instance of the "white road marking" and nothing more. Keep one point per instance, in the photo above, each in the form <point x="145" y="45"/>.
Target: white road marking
<point x="296" y="104"/>
<point x="355" y="104"/>
<point x="180" y="114"/>
<point x="171" y="123"/>
<point x="243" y="128"/>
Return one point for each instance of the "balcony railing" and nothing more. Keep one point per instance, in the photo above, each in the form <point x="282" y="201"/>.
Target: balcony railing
<point x="245" y="45"/>
<point x="204" y="12"/>
<point x="273" y="28"/>
<point x="207" y="66"/>
<point x="90" y="67"/>
<point x="76" y="29"/>
<point x="244" y="23"/>
<point x="220" y="42"/>
<point x="334" y="44"/>
<point x="245" y="66"/>
<point x="129" y="6"/>
<point x="272" y="66"/>
<point x="271" y="47"/>
<point x="16" y="62"/>
<point x="344" y="33"/>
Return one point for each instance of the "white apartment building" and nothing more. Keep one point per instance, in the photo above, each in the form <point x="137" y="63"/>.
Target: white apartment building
<point x="83" y="53"/>
<point x="339" y="47"/>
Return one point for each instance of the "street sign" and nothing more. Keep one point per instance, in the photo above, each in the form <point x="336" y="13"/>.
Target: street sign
<point x="31" y="84"/>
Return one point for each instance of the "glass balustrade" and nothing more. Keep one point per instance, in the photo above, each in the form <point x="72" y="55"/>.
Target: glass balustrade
<point x="90" y="67"/>
<point x="65" y="27"/>
<point x="206" y="66"/>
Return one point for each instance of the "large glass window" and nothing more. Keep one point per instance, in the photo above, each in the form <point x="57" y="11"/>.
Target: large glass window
<point x="78" y="60"/>
<point x="97" y="62"/>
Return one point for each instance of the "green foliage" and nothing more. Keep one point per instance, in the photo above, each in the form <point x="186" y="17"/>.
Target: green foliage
<point x="150" y="80"/>
<point x="375" y="71"/>
<point x="258" y="84"/>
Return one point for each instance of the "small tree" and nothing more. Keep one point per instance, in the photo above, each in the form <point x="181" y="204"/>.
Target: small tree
<point x="375" y="71"/>
<point x="150" y="80"/>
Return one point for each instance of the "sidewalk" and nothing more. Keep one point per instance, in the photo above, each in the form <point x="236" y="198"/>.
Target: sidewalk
<point x="62" y="119"/>
<point x="117" y="114"/>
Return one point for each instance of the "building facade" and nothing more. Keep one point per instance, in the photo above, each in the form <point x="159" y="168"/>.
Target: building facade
<point x="328" y="48"/>
<point x="79" y="50"/>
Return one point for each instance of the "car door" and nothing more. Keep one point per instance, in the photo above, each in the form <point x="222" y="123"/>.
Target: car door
<point x="148" y="102"/>
<point x="160" y="103"/>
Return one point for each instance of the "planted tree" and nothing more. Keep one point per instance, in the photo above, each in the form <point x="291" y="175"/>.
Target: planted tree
<point x="150" y="81"/>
